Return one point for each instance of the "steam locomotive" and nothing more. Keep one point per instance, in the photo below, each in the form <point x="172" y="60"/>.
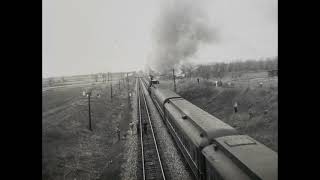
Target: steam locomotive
<point x="212" y="149"/>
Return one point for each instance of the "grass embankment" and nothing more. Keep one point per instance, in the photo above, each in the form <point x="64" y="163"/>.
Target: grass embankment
<point x="261" y="101"/>
<point x="69" y="149"/>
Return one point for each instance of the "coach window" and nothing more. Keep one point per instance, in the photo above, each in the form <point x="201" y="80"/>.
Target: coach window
<point x="189" y="145"/>
<point x="172" y="123"/>
<point x="195" y="156"/>
<point x="184" y="139"/>
<point x="168" y="116"/>
<point x="186" y="144"/>
<point x="208" y="171"/>
<point x="179" y="135"/>
<point x="178" y="132"/>
<point x="212" y="177"/>
<point x="211" y="173"/>
<point x="193" y="153"/>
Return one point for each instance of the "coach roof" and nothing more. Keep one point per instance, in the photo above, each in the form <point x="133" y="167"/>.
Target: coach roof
<point x="223" y="164"/>
<point x="256" y="159"/>
<point x="211" y="126"/>
<point x="164" y="94"/>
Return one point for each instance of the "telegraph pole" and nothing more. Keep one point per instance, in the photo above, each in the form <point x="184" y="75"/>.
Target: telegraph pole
<point x="110" y="75"/>
<point x="123" y="78"/>
<point x="89" y="95"/>
<point x="174" y="81"/>
<point x="248" y="81"/>
<point x="128" y="82"/>
<point x="128" y="89"/>
<point x="111" y="85"/>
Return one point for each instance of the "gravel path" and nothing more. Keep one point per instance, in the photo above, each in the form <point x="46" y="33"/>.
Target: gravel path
<point x="129" y="167"/>
<point x="173" y="161"/>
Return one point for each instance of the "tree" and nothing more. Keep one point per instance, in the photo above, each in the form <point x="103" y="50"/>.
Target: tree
<point x="222" y="70"/>
<point x="204" y="71"/>
<point x="187" y="69"/>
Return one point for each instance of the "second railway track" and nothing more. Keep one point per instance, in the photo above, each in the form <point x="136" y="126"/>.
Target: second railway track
<point x="151" y="164"/>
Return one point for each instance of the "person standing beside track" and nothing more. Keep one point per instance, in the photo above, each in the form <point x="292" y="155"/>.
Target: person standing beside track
<point x="145" y="128"/>
<point x="118" y="132"/>
<point x="131" y="128"/>
<point x="250" y="111"/>
<point x="235" y="107"/>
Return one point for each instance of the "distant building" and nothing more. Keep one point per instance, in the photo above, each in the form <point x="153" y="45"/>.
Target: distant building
<point x="180" y="76"/>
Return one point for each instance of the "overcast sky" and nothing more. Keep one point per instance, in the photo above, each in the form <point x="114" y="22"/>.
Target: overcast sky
<point x="90" y="36"/>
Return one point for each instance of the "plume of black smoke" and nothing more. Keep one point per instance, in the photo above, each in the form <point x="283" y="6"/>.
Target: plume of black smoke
<point x="181" y="28"/>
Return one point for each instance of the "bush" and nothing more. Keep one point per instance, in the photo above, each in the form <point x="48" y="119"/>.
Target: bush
<point x="219" y="103"/>
<point x="192" y="90"/>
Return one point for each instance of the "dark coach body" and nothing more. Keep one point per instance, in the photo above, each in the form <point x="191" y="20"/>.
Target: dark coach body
<point x="212" y="148"/>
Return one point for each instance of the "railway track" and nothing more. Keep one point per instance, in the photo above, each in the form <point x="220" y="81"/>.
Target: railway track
<point x="150" y="160"/>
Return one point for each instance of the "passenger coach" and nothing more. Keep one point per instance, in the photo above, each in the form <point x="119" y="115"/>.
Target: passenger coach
<point x="213" y="149"/>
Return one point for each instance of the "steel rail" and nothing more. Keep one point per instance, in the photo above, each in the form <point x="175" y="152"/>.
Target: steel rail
<point x="141" y="91"/>
<point x="140" y="124"/>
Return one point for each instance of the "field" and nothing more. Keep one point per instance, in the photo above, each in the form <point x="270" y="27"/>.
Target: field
<point x="69" y="149"/>
<point x="261" y="102"/>
<point x="82" y="79"/>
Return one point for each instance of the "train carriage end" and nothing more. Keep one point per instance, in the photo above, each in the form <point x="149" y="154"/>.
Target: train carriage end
<point x="241" y="152"/>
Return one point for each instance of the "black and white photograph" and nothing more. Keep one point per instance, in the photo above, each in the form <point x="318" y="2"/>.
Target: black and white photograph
<point x="159" y="89"/>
